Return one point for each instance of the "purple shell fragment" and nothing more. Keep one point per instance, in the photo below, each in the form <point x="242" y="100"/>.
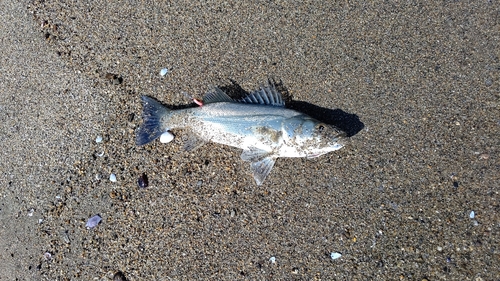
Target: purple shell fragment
<point x="93" y="221"/>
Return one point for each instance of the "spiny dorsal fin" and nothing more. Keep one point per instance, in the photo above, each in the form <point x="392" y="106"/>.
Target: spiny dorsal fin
<point x="267" y="95"/>
<point x="217" y="95"/>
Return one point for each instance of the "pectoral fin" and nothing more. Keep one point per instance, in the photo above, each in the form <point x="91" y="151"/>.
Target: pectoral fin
<point x="262" y="168"/>
<point x="253" y="154"/>
<point x="262" y="162"/>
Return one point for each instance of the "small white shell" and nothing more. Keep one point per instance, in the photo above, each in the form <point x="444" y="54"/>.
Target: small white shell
<point x="112" y="177"/>
<point x="98" y="139"/>
<point x="272" y="260"/>
<point x="472" y="214"/>
<point x="335" y="255"/>
<point x="93" y="221"/>
<point x="163" y="71"/>
<point x="166" y="137"/>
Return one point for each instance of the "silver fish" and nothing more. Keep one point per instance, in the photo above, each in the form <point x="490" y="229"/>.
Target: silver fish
<point x="259" y="124"/>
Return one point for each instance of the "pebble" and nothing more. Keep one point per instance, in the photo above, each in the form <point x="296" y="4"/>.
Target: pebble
<point x="98" y="139"/>
<point x="163" y="71"/>
<point x="93" y="222"/>
<point x="166" y="137"/>
<point x="472" y="214"/>
<point x="272" y="260"/>
<point x="119" y="276"/>
<point x="335" y="255"/>
<point x="112" y="177"/>
<point x="142" y="181"/>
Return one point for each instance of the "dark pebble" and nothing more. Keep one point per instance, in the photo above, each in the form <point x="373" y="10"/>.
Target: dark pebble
<point x="143" y="181"/>
<point x="110" y="76"/>
<point x="114" y="78"/>
<point x="119" y="276"/>
<point x="131" y="117"/>
<point x="117" y="80"/>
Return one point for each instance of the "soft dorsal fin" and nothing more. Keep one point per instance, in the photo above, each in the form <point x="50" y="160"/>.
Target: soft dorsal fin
<point x="217" y="95"/>
<point x="267" y="95"/>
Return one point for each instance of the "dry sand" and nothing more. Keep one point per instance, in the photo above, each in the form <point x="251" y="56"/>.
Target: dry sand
<point x="415" y="84"/>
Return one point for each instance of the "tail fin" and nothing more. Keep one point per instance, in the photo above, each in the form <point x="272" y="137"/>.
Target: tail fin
<point x="152" y="126"/>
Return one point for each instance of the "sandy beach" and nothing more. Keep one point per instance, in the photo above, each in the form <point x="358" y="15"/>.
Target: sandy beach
<point x="413" y="196"/>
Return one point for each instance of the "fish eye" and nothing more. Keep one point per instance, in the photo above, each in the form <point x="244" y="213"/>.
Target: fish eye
<point x="321" y="128"/>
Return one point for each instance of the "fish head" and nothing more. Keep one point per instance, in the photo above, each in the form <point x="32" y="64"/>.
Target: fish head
<point x="312" y="138"/>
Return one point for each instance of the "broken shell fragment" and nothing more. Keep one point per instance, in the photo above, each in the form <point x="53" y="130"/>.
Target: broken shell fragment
<point x="93" y="221"/>
<point x="166" y="137"/>
<point x="335" y="255"/>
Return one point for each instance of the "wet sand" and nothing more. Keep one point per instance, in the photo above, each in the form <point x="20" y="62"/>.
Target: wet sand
<point x="415" y="85"/>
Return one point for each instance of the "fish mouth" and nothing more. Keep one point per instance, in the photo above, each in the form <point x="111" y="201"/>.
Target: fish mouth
<point x="340" y="140"/>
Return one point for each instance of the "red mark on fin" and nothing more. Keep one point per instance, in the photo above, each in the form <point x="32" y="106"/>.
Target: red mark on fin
<point x="198" y="102"/>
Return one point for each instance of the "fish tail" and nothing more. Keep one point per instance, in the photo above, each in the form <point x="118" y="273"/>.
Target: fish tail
<point x="153" y="125"/>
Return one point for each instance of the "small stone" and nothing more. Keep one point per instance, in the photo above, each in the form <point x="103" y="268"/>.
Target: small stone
<point x="472" y="214"/>
<point x="47" y="256"/>
<point x="112" y="177"/>
<point x="163" y="71"/>
<point x="117" y="80"/>
<point x="119" y="276"/>
<point x="110" y="76"/>
<point x="272" y="260"/>
<point x="66" y="237"/>
<point x="335" y="255"/>
<point x="131" y="117"/>
<point x="98" y="139"/>
<point x="488" y="82"/>
<point x="439" y="248"/>
<point x="484" y="156"/>
<point x="142" y="181"/>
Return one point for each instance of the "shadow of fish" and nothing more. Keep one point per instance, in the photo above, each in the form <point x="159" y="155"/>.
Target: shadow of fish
<point x="259" y="124"/>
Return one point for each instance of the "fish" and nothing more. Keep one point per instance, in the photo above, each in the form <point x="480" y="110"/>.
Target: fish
<point x="259" y="124"/>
